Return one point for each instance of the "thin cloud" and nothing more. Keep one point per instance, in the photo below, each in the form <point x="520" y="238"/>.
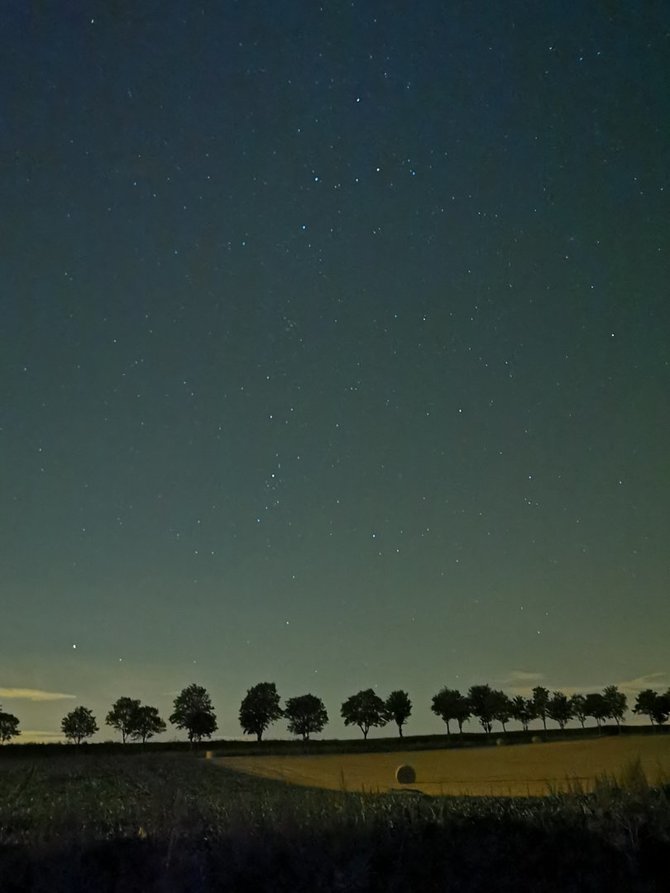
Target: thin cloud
<point x="523" y="677"/>
<point x="33" y="694"/>
<point x="650" y="680"/>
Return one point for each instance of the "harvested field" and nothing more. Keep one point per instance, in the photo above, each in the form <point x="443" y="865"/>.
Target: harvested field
<point x="518" y="770"/>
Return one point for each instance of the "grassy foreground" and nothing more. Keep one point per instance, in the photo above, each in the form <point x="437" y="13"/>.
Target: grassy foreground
<point x="521" y="770"/>
<point x="166" y="823"/>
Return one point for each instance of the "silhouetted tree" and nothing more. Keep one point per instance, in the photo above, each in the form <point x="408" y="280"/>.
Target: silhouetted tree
<point x="450" y="704"/>
<point x="9" y="726"/>
<point x="120" y="717"/>
<point x="305" y="714"/>
<point x="145" y="723"/>
<point x="578" y="707"/>
<point x="654" y="705"/>
<point x="193" y="711"/>
<point x="540" y="703"/>
<point x="259" y="708"/>
<point x="502" y="708"/>
<point x="559" y="709"/>
<point x="398" y="708"/>
<point x="365" y="709"/>
<point x="79" y="724"/>
<point x="617" y="703"/>
<point x="523" y="710"/>
<point x="482" y="700"/>
<point x="596" y="706"/>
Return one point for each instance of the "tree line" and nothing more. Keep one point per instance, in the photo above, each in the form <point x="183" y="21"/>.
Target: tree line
<point x="306" y="714"/>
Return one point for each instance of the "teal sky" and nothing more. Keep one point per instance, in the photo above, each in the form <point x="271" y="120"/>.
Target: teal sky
<point x="334" y="352"/>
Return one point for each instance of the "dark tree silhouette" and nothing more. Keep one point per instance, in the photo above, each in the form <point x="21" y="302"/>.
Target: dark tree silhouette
<point x="617" y="703"/>
<point x="482" y="700"/>
<point x="306" y="714"/>
<point x="578" y="707"/>
<point x="120" y="717"/>
<point x="365" y="709"/>
<point x="398" y="708"/>
<point x="193" y="711"/>
<point x="540" y="703"/>
<point x="654" y="705"/>
<point x="259" y="708"/>
<point x="596" y="706"/>
<point x="146" y="722"/>
<point x="523" y="710"/>
<point x="9" y="726"/>
<point x="502" y="708"/>
<point x="559" y="709"/>
<point x="450" y="704"/>
<point x="79" y="724"/>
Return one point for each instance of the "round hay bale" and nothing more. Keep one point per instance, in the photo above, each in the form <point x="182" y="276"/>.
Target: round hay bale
<point x="500" y="742"/>
<point x="209" y="754"/>
<point x="405" y="774"/>
<point x="536" y="739"/>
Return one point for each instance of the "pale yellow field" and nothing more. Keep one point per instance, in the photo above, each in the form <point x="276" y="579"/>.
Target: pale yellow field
<point x="519" y="770"/>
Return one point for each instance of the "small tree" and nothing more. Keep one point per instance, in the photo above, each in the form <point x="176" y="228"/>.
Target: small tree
<point x="482" y="700"/>
<point x="653" y="705"/>
<point x="450" y="704"/>
<point x="502" y="708"/>
<point x="578" y="707"/>
<point x="398" y="708"/>
<point x="259" y="708"/>
<point x="120" y="717"/>
<point x="9" y="726"/>
<point x="616" y="702"/>
<point x="79" y="724"/>
<point x="540" y="703"/>
<point x="146" y="722"/>
<point x="523" y="711"/>
<point x="193" y="711"/>
<point x="306" y="714"/>
<point x="596" y="706"/>
<point x="559" y="709"/>
<point x="365" y="709"/>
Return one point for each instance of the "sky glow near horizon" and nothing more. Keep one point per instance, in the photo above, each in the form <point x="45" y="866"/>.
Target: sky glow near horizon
<point x="334" y="352"/>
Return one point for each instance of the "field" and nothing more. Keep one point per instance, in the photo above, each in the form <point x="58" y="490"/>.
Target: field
<point x="171" y="823"/>
<point x="520" y="770"/>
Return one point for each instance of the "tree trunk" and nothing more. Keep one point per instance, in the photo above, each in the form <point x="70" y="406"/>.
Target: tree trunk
<point x="448" y="729"/>
<point x="544" y="723"/>
<point x="259" y="735"/>
<point x="400" y="730"/>
<point x="365" y="733"/>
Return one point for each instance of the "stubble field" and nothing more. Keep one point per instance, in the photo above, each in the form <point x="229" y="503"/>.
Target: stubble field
<point x="520" y="770"/>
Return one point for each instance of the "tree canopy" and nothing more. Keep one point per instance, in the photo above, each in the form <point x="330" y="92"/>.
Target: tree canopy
<point x="306" y="714"/>
<point x="193" y="711"/>
<point x="260" y="707"/>
<point x="450" y="704"/>
<point x="541" y="703"/>
<point x="398" y="708"/>
<point x="146" y="723"/>
<point x="483" y="702"/>
<point x="365" y="709"/>
<point x="654" y="705"/>
<point x="121" y="716"/>
<point x="9" y="726"/>
<point x="79" y="724"/>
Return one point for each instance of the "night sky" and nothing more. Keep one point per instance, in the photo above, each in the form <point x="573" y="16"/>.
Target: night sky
<point x="334" y="351"/>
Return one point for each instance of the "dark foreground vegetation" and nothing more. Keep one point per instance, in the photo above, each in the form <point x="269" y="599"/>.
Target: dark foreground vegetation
<point x="173" y="822"/>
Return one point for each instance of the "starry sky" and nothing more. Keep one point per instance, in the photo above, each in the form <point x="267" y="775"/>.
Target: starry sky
<point x="334" y="350"/>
